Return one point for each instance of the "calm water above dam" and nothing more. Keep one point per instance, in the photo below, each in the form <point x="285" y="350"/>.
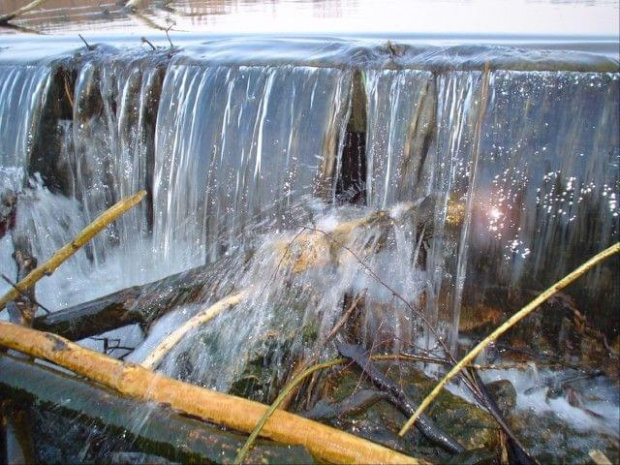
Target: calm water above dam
<point x="456" y="18"/>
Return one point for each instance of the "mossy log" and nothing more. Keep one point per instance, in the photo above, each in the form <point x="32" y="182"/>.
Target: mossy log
<point x="325" y="443"/>
<point x="166" y="433"/>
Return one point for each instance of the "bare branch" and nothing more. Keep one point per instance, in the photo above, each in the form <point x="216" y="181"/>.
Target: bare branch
<point x="5" y="19"/>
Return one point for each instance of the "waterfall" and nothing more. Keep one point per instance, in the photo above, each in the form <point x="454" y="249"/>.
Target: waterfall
<point x="238" y="147"/>
<point x="399" y="194"/>
<point x="23" y="90"/>
<point x="22" y="97"/>
<point x="512" y="169"/>
<point x="109" y="144"/>
<point x="539" y="188"/>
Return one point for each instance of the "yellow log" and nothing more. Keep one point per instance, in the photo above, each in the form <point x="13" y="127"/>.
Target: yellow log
<point x="325" y="443"/>
<point x="69" y="249"/>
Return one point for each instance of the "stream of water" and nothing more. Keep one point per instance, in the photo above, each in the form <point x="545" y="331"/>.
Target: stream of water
<point x="456" y="173"/>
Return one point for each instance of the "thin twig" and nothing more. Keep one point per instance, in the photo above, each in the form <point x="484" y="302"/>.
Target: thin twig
<point x="88" y="46"/>
<point x="345" y="316"/>
<point x="168" y="35"/>
<point x="146" y="41"/>
<point x="12" y="284"/>
<point x="241" y="455"/>
<point x="529" y="308"/>
<point x="389" y="288"/>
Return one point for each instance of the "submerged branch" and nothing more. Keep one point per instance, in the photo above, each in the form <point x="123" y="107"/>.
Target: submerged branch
<point x="201" y="318"/>
<point x="398" y="397"/>
<point x="141" y="304"/>
<point x="529" y="308"/>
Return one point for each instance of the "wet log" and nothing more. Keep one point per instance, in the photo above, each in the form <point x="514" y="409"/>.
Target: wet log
<point x="326" y="443"/>
<point x="16" y="441"/>
<point x="309" y="248"/>
<point x="166" y="433"/>
<point x="8" y="209"/>
<point x="138" y="304"/>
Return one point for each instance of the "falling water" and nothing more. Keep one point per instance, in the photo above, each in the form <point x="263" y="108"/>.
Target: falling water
<point x="239" y="146"/>
<point x="22" y="96"/>
<point x="471" y="179"/>
<point x="109" y="144"/>
<point x="22" y="93"/>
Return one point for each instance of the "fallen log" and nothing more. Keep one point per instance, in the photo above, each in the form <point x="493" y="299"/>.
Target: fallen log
<point x="309" y="248"/>
<point x="325" y="443"/>
<point x="144" y="304"/>
<point x="166" y="433"/>
<point x="138" y="304"/>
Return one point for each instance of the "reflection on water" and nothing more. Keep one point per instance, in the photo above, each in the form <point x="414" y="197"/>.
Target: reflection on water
<point x="497" y="17"/>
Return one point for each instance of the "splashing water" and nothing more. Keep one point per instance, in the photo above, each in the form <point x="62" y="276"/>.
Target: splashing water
<point x="473" y="183"/>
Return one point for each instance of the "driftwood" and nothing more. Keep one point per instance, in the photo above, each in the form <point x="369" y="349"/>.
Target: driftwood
<point x="165" y="433"/>
<point x="325" y="443"/>
<point x="69" y="249"/>
<point x="138" y="304"/>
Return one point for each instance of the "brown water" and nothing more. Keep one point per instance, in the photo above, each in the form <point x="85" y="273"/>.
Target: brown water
<point x="574" y="18"/>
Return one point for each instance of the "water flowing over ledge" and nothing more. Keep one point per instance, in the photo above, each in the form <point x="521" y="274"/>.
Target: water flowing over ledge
<point x="468" y="177"/>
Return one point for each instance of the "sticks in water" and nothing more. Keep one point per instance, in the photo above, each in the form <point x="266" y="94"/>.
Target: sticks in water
<point x="525" y="311"/>
<point x="398" y="397"/>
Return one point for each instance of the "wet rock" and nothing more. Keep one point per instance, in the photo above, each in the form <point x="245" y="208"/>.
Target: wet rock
<point x="381" y="422"/>
<point x="136" y="458"/>
<point x="474" y="457"/>
<point x="504" y="394"/>
<point x="550" y="439"/>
